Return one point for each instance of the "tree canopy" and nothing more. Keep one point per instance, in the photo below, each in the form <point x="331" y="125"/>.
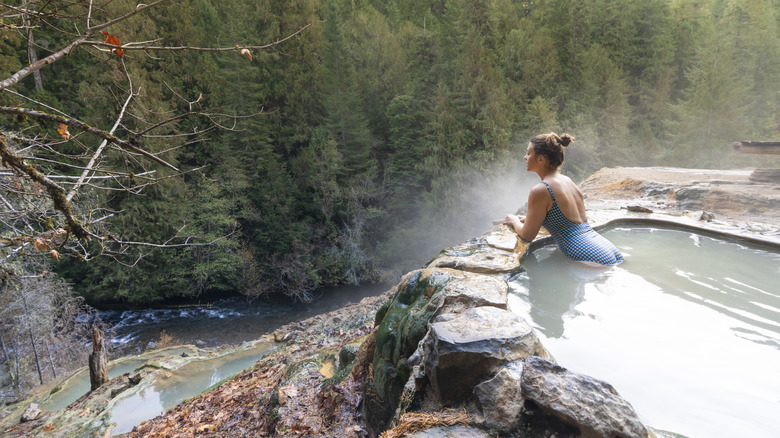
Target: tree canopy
<point x="292" y="145"/>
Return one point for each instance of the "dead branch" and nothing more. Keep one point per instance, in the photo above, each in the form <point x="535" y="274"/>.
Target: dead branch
<point x="140" y="8"/>
<point x="35" y="66"/>
<point x="135" y="46"/>
<point x="86" y="128"/>
<point x="103" y="144"/>
<point x="56" y="193"/>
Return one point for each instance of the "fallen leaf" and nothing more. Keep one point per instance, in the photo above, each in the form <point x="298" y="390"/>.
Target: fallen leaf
<point x="287" y="392"/>
<point x="62" y="129"/>
<point x="247" y="53"/>
<point x="206" y="427"/>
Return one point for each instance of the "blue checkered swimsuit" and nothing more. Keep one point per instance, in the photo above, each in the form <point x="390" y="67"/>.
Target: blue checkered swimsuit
<point x="579" y="241"/>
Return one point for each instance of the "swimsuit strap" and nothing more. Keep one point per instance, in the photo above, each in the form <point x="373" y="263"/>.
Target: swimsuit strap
<point x="549" y="189"/>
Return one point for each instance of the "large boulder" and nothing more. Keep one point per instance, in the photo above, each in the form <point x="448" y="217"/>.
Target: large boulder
<point x="464" y="349"/>
<point x="400" y="324"/>
<point x="404" y="320"/>
<point x="590" y="405"/>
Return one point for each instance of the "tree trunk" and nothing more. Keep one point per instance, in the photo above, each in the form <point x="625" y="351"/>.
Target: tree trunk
<point x="32" y="54"/>
<point x="32" y="338"/>
<point x="35" y="353"/>
<point x="51" y="361"/>
<point x="98" y="371"/>
<point x="15" y="377"/>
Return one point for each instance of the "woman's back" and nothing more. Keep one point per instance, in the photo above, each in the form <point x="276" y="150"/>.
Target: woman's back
<point x="568" y="197"/>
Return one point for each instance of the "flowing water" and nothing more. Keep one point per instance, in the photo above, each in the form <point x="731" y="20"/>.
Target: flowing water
<point x="687" y="329"/>
<point x="228" y="321"/>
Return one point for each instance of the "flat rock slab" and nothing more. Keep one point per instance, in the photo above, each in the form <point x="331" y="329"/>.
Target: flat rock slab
<point x="480" y="257"/>
<point x="591" y="405"/>
<point x="730" y="194"/>
<point x="504" y="238"/>
<point x="467" y="290"/>
<point x="464" y="349"/>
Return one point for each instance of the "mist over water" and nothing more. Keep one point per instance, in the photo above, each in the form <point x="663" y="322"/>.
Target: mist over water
<point x="475" y="200"/>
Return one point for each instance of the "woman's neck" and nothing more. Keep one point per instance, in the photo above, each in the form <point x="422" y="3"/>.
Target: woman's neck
<point x="546" y="172"/>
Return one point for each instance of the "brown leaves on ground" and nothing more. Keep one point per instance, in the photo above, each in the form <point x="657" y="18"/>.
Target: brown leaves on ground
<point x="285" y="395"/>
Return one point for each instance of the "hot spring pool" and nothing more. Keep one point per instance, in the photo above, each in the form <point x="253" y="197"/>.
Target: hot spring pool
<point x="687" y="329"/>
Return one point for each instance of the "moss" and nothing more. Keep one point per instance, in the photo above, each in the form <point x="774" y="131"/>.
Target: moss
<point x="403" y="325"/>
<point x="273" y="417"/>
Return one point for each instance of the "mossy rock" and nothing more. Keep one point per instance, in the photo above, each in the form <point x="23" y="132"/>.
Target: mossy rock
<point x="402" y="323"/>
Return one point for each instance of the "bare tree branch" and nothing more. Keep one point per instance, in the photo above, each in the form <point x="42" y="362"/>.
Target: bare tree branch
<point x="26" y="209"/>
<point x="56" y="193"/>
<point x="84" y="127"/>
<point x="140" y="8"/>
<point x="35" y="66"/>
<point x="103" y="144"/>
<point x="133" y="46"/>
<point x="172" y="245"/>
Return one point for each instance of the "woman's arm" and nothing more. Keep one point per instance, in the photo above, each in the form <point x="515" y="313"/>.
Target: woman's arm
<point x="527" y="227"/>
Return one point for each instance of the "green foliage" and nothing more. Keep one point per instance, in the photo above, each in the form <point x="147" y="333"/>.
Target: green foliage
<point x="372" y="123"/>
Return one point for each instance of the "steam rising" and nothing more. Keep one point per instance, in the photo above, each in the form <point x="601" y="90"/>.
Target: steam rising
<point x="476" y="200"/>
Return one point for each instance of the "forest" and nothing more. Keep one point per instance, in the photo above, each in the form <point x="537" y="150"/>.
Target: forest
<point x="285" y="146"/>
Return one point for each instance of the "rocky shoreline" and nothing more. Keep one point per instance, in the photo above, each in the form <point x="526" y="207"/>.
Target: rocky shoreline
<point x="439" y="354"/>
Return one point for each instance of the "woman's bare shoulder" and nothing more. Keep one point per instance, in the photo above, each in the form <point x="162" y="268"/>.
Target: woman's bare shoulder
<point x="540" y="189"/>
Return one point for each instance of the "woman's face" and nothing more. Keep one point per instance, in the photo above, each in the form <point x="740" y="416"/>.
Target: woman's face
<point x="530" y="157"/>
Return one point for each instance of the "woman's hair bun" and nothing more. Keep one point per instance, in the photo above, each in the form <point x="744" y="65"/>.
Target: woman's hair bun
<point x="553" y="140"/>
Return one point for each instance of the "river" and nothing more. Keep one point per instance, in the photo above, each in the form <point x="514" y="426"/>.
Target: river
<point x="228" y="321"/>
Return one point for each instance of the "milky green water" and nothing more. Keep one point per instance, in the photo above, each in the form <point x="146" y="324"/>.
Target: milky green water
<point x="185" y="382"/>
<point x="687" y="329"/>
<point x="79" y="384"/>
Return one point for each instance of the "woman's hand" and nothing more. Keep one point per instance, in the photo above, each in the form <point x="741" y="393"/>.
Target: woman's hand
<point x="514" y="220"/>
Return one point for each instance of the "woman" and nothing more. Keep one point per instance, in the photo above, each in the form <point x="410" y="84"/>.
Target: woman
<point x="557" y="204"/>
